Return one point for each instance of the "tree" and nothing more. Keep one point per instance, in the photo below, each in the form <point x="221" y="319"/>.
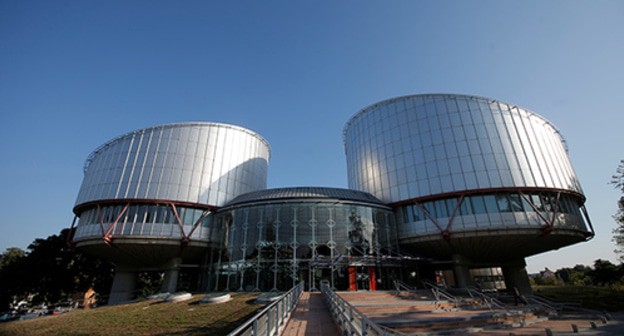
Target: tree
<point x="52" y="271"/>
<point x="618" y="233"/>
<point x="11" y="255"/>
<point x="12" y="268"/>
<point x="605" y="273"/>
<point x="576" y="276"/>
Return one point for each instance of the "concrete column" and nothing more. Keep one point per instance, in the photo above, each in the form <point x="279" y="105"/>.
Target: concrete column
<point x="461" y="271"/>
<point x="515" y="275"/>
<point x="172" y="270"/>
<point x="124" y="284"/>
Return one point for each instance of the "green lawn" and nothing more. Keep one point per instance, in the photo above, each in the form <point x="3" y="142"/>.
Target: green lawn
<point x="144" y="318"/>
<point x="601" y="298"/>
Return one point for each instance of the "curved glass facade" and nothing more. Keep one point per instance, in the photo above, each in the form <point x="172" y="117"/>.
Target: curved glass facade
<point x="470" y="182"/>
<point x="203" y="163"/>
<point x="463" y="171"/>
<point x="422" y="145"/>
<point x="483" y="211"/>
<point x="147" y="221"/>
<point x="152" y="192"/>
<point x="275" y="243"/>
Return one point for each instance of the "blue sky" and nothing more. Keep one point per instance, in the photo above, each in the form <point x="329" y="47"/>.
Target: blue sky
<point x="74" y="74"/>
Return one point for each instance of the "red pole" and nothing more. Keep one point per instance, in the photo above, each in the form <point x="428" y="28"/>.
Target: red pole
<point x="372" y="278"/>
<point x="352" y="278"/>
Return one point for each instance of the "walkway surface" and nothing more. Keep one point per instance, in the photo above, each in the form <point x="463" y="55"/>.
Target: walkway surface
<point x="311" y="317"/>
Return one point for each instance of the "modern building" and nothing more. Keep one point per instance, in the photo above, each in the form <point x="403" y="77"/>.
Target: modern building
<point x="474" y="181"/>
<point x="444" y="187"/>
<point x="147" y="197"/>
<point x="278" y="237"/>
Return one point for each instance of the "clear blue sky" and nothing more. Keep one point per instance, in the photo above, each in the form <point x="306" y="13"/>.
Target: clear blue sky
<point x="74" y="74"/>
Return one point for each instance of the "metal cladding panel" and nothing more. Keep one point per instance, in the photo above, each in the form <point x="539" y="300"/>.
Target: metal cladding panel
<point x="424" y="145"/>
<point x="300" y="193"/>
<point x="205" y="163"/>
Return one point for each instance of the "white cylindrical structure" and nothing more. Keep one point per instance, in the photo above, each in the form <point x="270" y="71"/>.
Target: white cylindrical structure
<point x="151" y="192"/>
<point x="203" y="163"/>
<point x="466" y="172"/>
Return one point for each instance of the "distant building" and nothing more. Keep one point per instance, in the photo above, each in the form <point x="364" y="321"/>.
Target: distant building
<point x="547" y="274"/>
<point x="451" y="188"/>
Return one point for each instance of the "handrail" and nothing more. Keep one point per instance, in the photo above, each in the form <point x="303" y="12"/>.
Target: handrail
<point x="489" y="300"/>
<point x="270" y="320"/>
<point x="398" y="284"/>
<point x="440" y="293"/>
<point x="557" y="307"/>
<point x="561" y="306"/>
<point x="351" y="320"/>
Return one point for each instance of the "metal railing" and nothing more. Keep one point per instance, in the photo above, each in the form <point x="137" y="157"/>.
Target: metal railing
<point x="270" y="320"/>
<point x="440" y="294"/>
<point x="490" y="301"/>
<point x="540" y="301"/>
<point x="560" y="307"/>
<point x="402" y="286"/>
<point x="350" y="320"/>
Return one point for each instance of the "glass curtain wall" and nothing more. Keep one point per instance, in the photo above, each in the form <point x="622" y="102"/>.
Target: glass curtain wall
<point x="500" y="210"/>
<point x="416" y="146"/>
<point x="146" y="220"/>
<point x="271" y="247"/>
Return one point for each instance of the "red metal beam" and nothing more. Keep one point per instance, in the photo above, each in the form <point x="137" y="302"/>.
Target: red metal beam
<point x="433" y="220"/>
<point x="79" y="208"/>
<point x="447" y="236"/>
<point x="180" y="225"/>
<point x="108" y="237"/>
<point x="201" y="219"/>
<point x="487" y="191"/>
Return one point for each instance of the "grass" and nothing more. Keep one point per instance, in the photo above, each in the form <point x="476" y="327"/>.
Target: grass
<point x="601" y="298"/>
<point x="151" y="317"/>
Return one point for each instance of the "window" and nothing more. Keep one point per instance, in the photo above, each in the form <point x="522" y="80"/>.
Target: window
<point x="490" y="203"/>
<point x="502" y="201"/>
<point x="478" y="205"/>
<point x="515" y="200"/>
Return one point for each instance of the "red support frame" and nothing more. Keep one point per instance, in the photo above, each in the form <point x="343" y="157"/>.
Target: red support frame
<point x="548" y="223"/>
<point x="109" y="231"/>
<point x="187" y="238"/>
<point x="108" y="236"/>
<point x="446" y="232"/>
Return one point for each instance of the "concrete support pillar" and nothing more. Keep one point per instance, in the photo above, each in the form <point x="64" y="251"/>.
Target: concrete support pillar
<point x="123" y="286"/>
<point x="172" y="270"/>
<point x="515" y="275"/>
<point x="461" y="271"/>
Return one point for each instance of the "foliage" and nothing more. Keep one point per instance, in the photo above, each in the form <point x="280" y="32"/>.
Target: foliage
<point x="618" y="233"/>
<point x="576" y="276"/>
<point x="591" y="297"/>
<point x="51" y="272"/>
<point x="149" y="283"/>
<point x="10" y="256"/>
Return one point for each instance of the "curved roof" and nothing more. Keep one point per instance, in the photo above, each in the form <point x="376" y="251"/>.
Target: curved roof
<point x="178" y="124"/>
<point x="434" y="95"/>
<point x="318" y="193"/>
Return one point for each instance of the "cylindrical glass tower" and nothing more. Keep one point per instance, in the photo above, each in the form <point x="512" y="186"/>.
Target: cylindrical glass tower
<point x="467" y="175"/>
<point x="150" y="192"/>
<point x="278" y="237"/>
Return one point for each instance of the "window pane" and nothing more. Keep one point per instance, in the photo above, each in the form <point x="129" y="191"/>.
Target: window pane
<point x="477" y="204"/>
<point x="516" y="203"/>
<point x="490" y="203"/>
<point x="503" y="202"/>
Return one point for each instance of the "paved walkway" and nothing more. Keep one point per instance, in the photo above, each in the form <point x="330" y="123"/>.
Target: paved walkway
<point x="311" y="318"/>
